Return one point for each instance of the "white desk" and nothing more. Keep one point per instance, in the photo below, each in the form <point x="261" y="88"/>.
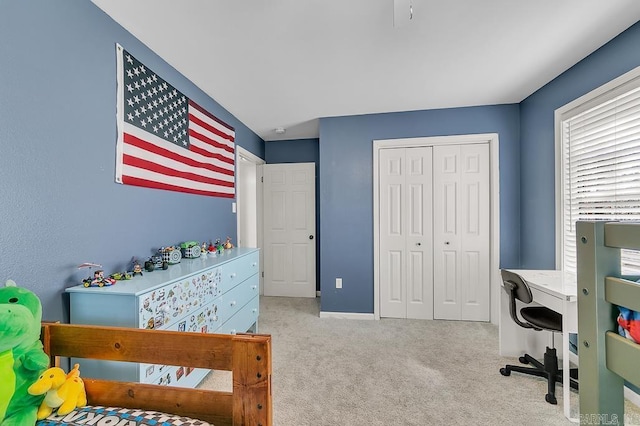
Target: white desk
<point x="556" y="290"/>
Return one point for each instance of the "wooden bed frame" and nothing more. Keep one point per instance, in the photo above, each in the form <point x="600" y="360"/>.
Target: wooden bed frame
<point x="248" y="356"/>
<point x="606" y="359"/>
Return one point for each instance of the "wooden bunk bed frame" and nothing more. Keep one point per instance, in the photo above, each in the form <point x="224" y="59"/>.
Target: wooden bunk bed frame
<point x="606" y="358"/>
<point x="248" y="356"/>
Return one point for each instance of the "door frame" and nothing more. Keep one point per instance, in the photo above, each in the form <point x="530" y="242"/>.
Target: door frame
<point x="243" y="155"/>
<point x="494" y="206"/>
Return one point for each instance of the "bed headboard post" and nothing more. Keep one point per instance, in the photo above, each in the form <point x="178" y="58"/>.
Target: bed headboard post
<point x="601" y="390"/>
<point x="252" y="357"/>
<point x="45" y="338"/>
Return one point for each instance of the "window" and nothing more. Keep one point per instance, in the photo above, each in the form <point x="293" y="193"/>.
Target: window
<point x="598" y="144"/>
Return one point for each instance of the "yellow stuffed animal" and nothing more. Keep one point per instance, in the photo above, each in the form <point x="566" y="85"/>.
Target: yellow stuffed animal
<point x="63" y="391"/>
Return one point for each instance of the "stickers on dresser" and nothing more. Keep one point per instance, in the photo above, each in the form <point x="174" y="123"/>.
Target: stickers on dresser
<point x="185" y="305"/>
<point x="160" y="307"/>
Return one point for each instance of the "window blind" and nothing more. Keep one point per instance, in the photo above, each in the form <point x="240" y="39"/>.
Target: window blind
<point x="601" y="167"/>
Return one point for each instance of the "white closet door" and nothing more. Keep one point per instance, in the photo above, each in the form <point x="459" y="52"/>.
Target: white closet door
<point x="406" y="256"/>
<point x="461" y="232"/>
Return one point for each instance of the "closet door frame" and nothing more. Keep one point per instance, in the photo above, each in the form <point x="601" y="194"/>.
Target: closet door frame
<point x="492" y="139"/>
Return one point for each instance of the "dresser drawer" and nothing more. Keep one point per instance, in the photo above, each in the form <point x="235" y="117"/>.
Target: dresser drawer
<point x="243" y="319"/>
<point x="233" y="273"/>
<point x="234" y="300"/>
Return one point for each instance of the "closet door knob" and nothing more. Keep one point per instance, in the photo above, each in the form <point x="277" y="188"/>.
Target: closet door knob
<point x="446" y="242"/>
<point x="418" y="244"/>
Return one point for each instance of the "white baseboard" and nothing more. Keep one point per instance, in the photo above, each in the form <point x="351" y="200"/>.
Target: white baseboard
<point x="317" y="294"/>
<point x="632" y="396"/>
<point x="346" y="315"/>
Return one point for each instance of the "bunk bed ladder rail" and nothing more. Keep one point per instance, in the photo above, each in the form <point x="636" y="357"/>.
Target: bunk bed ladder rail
<point x="606" y="358"/>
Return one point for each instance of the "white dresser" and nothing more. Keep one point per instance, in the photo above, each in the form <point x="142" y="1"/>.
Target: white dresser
<point x="205" y="295"/>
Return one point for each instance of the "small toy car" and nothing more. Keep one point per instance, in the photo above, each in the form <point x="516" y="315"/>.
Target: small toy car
<point x="190" y="249"/>
<point x="98" y="280"/>
<point x="156" y="262"/>
<point x="119" y="276"/>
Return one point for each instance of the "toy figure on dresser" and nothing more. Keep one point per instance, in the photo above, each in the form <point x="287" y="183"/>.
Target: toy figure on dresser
<point x="98" y="280"/>
<point x="219" y="246"/>
<point x="170" y="254"/>
<point x="227" y="244"/>
<point x="190" y="249"/>
<point x="120" y="276"/>
<point x="155" y="262"/>
<point x="212" y="249"/>
<point x="203" y="250"/>
<point x="137" y="268"/>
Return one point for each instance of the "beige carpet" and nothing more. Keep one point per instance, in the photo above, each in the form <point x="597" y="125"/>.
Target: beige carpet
<point x="331" y="372"/>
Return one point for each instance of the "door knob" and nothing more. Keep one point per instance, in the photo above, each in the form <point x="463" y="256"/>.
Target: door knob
<point x="311" y="237"/>
<point x="418" y="244"/>
<point x="446" y="242"/>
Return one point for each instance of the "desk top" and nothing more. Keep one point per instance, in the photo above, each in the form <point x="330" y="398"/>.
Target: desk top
<point x="560" y="284"/>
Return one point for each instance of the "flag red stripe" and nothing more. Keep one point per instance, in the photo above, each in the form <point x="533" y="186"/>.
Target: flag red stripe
<point x="211" y="116"/>
<point x="206" y="153"/>
<point x="168" y="171"/>
<point x="128" y="180"/>
<point x="213" y="130"/>
<point x="148" y="146"/>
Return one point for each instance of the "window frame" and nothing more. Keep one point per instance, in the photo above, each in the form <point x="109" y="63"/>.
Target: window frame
<point x="604" y="93"/>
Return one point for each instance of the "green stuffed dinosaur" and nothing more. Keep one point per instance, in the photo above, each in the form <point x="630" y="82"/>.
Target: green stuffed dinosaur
<point x="22" y="358"/>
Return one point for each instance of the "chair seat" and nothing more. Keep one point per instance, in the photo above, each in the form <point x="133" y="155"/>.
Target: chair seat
<point x="542" y="317"/>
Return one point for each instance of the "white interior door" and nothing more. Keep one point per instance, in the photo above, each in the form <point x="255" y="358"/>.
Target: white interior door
<point x="406" y="254"/>
<point x="289" y="230"/>
<point x="461" y="232"/>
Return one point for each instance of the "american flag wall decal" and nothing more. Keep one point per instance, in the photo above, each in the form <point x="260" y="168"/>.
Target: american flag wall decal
<point x="167" y="141"/>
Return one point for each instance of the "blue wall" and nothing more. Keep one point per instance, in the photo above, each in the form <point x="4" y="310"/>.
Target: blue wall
<point x="346" y="190"/>
<point x="59" y="204"/>
<point x="615" y="58"/>
<point x="292" y="151"/>
<point x="299" y="151"/>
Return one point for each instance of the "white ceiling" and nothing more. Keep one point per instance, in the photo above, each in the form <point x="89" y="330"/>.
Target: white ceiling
<point x="286" y="63"/>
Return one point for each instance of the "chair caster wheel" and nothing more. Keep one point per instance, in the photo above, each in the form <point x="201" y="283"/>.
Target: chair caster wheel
<point x="551" y="399"/>
<point x="505" y="372"/>
<point x="523" y="360"/>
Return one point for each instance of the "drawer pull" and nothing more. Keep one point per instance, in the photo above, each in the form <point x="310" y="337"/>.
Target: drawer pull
<point x="233" y="303"/>
<point x="233" y="331"/>
<point x="254" y="264"/>
<point x="232" y="275"/>
<point x="254" y="310"/>
<point x="253" y="287"/>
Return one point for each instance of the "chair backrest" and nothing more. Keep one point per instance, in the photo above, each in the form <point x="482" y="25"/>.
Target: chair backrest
<point x="515" y="282"/>
<point x="517" y="288"/>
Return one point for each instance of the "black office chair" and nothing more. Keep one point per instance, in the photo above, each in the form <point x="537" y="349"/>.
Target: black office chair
<point x="537" y="318"/>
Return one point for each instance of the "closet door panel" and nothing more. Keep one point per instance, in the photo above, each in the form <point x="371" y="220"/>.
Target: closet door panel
<point x="392" y="233"/>
<point x="475" y="233"/>
<point x="446" y="236"/>
<point x="461" y="232"/>
<point x="406" y="256"/>
<point x="419" y="236"/>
